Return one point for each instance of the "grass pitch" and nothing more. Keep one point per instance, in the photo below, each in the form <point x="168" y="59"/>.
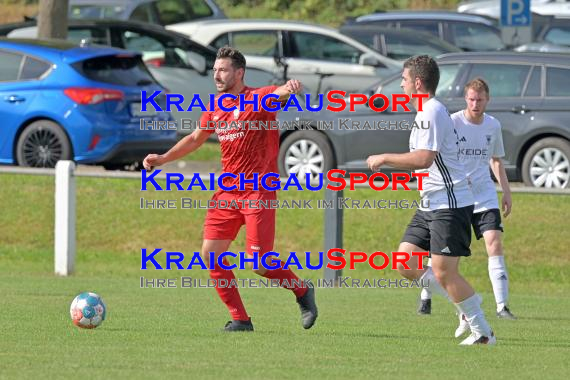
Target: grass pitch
<point x="174" y="333"/>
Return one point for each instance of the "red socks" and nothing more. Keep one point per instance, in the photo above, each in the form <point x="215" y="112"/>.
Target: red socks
<point x="229" y="294"/>
<point x="286" y="274"/>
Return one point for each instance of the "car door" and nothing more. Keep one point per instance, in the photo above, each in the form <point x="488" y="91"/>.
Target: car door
<point x="19" y="86"/>
<point x="324" y="63"/>
<point x="507" y="85"/>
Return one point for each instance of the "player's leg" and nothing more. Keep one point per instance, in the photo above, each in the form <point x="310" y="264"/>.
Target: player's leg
<point x="498" y="272"/>
<point x="450" y="232"/>
<point x="220" y="229"/>
<point x="417" y="239"/>
<point x="260" y="236"/>
<point x="425" y="296"/>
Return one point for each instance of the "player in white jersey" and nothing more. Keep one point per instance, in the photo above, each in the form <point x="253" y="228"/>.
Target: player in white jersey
<point x="481" y="146"/>
<point x="444" y="227"/>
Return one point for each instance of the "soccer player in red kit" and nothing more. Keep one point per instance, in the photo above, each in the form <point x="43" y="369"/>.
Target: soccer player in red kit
<point x="244" y="150"/>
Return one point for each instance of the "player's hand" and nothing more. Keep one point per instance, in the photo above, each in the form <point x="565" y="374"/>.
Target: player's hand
<point x="507" y="204"/>
<point x="375" y="162"/>
<point x="294" y="86"/>
<point x="153" y="160"/>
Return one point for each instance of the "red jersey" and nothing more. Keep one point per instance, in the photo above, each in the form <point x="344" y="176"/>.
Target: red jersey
<point x="245" y="149"/>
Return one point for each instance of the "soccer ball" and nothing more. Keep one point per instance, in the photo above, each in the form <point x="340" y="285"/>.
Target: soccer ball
<point x="87" y="310"/>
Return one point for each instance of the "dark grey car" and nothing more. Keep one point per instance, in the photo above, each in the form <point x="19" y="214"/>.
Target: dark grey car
<point x="530" y="96"/>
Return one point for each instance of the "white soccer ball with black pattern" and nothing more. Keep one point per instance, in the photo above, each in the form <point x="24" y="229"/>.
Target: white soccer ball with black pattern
<point x="87" y="310"/>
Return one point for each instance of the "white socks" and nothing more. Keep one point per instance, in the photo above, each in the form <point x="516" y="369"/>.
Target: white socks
<point x="471" y="308"/>
<point x="499" y="280"/>
<point x="426" y="293"/>
<point x="434" y="286"/>
<point x="497" y="274"/>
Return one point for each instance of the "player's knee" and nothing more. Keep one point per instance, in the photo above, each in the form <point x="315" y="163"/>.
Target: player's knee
<point x="443" y="276"/>
<point x="495" y="248"/>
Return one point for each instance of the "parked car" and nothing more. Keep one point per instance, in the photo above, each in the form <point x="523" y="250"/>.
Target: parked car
<point x="467" y="32"/>
<point x="161" y="12"/>
<point x="398" y="44"/>
<point x="177" y="62"/>
<point x="312" y="52"/>
<point x="550" y="29"/>
<point x="63" y="101"/>
<point x="492" y="8"/>
<point x="544" y="47"/>
<point x="530" y="93"/>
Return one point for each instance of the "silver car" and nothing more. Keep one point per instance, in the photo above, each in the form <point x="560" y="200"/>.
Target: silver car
<point x="530" y="94"/>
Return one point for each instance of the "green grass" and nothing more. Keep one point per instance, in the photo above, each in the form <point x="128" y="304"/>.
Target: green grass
<point x="361" y="333"/>
<point x="209" y="151"/>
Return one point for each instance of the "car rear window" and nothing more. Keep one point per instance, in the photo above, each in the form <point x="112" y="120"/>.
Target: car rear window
<point x="93" y="11"/>
<point x="120" y="70"/>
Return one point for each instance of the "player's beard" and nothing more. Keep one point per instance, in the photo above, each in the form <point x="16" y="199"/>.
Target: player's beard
<point x="226" y="85"/>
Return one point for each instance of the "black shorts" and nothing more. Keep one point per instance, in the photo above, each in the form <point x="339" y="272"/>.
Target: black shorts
<point x="489" y="220"/>
<point x="444" y="232"/>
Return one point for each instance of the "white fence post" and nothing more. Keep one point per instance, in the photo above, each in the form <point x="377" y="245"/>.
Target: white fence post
<point x="64" y="218"/>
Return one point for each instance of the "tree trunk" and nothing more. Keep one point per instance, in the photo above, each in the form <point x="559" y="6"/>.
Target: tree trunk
<point x="52" y="19"/>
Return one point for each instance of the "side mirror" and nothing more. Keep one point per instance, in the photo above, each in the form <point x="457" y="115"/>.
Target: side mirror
<point x="197" y="62"/>
<point x="369" y="60"/>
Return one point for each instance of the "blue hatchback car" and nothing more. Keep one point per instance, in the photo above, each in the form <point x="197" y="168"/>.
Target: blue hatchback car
<point x="62" y="101"/>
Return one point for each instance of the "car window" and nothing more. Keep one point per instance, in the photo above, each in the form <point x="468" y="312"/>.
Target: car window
<point x="316" y="46"/>
<point x="33" y="68"/>
<point x="96" y="11"/>
<point x="199" y="8"/>
<point x="367" y="37"/>
<point x="447" y="80"/>
<point x="172" y="12"/>
<point x="262" y="42"/>
<point x="144" y="13"/>
<point x="402" y="47"/>
<point x="473" y="37"/>
<point x="557" y="81"/>
<point x="155" y="52"/>
<point x="9" y="66"/>
<point x="96" y="36"/>
<point x="121" y="70"/>
<point x="558" y="35"/>
<point x="533" y="86"/>
<point x="504" y="80"/>
<point x="423" y="26"/>
<point x="221" y="41"/>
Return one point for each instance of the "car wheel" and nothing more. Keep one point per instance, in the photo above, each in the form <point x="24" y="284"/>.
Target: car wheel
<point x="547" y="164"/>
<point x="305" y="152"/>
<point x="42" y="144"/>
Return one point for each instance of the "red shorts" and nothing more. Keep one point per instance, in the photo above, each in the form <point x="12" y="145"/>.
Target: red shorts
<point x="223" y="223"/>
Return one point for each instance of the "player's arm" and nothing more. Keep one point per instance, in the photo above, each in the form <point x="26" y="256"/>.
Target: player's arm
<point x="292" y="86"/>
<point x="418" y="159"/>
<point x="501" y="175"/>
<point x="185" y="146"/>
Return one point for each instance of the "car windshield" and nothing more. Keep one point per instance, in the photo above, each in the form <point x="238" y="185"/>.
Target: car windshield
<point x="96" y="11"/>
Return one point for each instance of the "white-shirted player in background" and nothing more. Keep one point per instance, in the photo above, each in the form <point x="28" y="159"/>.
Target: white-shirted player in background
<point x="481" y="146"/>
<point x="444" y="227"/>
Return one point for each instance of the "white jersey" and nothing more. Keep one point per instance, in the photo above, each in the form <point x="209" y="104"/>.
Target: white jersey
<point x="447" y="185"/>
<point x="478" y="143"/>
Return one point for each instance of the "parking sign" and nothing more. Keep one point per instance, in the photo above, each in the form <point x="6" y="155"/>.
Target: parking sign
<point x="515" y="13"/>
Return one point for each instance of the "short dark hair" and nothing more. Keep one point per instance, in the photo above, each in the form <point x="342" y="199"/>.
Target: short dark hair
<point x="477" y="84"/>
<point x="238" y="60"/>
<point x="425" y="68"/>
